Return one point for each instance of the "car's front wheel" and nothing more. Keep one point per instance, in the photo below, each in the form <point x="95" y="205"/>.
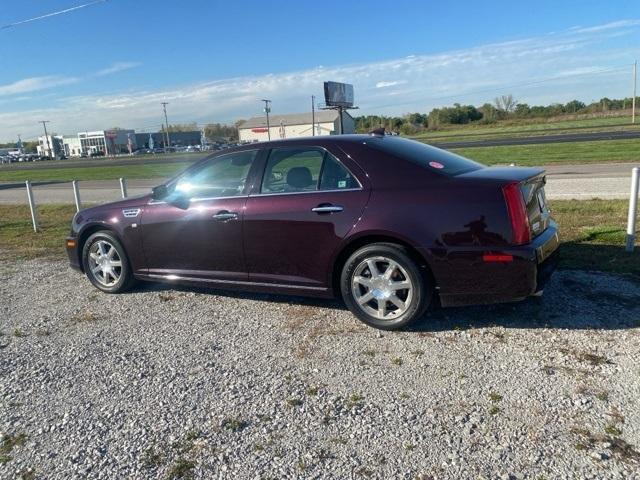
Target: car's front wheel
<point x="106" y="264"/>
<point x="384" y="287"/>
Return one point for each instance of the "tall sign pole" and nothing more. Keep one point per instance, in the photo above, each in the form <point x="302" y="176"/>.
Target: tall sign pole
<point x="267" y="109"/>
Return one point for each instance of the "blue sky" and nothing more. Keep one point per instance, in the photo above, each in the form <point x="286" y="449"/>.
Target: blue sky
<point x="112" y="63"/>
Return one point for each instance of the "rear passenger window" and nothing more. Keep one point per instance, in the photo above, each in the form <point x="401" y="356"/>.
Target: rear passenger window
<point x="292" y="170"/>
<point x="304" y="170"/>
<point x="335" y="176"/>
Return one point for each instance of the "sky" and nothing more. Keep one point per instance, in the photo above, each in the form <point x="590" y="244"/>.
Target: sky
<point x="112" y="62"/>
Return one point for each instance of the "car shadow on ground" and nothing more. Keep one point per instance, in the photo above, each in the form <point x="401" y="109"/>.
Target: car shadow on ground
<point x="573" y="299"/>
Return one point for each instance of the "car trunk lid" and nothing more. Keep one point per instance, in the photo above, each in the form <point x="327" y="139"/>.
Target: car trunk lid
<point x="530" y="183"/>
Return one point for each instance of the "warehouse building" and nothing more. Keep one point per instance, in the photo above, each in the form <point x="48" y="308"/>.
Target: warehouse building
<point x="327" y="122"/>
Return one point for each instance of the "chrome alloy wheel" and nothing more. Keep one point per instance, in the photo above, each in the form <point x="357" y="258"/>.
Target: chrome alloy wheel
<point x="105" y="263"/>
<point x="382" y="288"/>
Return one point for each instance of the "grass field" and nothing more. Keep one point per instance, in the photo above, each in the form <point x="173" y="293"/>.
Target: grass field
<point x="592" y="234"/>
<point x="603" y="151"/>
<point x="532" y="127"/>
<point x="99" y="172"/>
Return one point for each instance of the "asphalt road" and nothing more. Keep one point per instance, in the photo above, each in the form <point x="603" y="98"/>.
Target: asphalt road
<point x="107" y="162"/>
<point x="192" y="157"/>
<point x="541" y="139"/>
<point x="563" y="182"/>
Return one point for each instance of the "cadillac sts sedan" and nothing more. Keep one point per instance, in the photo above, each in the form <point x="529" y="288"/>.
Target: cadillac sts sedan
<point x="389" y="225"/>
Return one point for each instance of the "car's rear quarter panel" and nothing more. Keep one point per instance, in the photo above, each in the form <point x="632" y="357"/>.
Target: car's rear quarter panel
<point x="451" y="222"/>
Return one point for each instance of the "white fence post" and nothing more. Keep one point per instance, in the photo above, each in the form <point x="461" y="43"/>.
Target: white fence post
<point x="123" y="187"/>
<point x="32" y="206"/>
<point x="76" y="194"/>
<point x="633" y="205"/>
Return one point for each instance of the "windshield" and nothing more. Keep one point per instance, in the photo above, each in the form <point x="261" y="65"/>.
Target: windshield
<point x="440" y="161"/>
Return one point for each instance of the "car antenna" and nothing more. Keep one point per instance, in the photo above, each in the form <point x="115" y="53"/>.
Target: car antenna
<point x="377" y="131"/>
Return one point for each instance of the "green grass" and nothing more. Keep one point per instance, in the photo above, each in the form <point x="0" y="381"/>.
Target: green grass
<point x="531" y="126"/>
<point x="592" y="234"/>
<point x="18" y="238"/>
<point x="603" y="151"/>
<point x="99" y="172"/>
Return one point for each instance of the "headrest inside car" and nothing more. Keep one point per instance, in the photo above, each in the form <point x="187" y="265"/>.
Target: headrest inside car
<point x="299" y="177"/>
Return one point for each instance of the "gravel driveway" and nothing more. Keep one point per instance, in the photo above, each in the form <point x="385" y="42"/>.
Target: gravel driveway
<point x="173" y="383"/>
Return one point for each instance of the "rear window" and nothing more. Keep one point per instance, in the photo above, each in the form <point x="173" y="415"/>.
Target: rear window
<point x="435" y="159"/>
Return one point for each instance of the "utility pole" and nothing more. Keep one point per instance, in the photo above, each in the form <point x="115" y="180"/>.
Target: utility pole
<point x="46" y="136"/>
<point x="164" y="107"/>
<point x="633" y="102"/>
<point x="267" y="109"/>
<point x="313" y="115"/>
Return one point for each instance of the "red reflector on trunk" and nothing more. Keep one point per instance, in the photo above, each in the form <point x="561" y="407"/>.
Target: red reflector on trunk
<point x="494" y="257"/>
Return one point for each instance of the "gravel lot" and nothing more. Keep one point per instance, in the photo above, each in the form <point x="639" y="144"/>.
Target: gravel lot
<point x="164" y="383"/>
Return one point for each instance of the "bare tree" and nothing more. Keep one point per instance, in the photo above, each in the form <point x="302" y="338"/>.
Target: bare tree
<point x="505" y="103"/>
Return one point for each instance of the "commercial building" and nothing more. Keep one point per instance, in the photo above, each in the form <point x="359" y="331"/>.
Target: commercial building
<point x="51" y="145"/>
<point x="176" y="138"/>
<point x="109" y="142"/>
<point x="326" y="122"/>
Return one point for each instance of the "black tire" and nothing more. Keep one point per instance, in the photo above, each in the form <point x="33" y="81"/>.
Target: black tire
<point x="415" y="302"/>
<point x="124" y="273"/>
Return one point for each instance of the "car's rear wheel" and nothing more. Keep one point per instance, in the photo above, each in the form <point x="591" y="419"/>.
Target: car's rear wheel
<point x="106" y="264"/>
<point x="384" y="287"/>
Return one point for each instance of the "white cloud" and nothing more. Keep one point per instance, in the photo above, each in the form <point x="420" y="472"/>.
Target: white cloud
<point x="117" y="67"/>
<point x="34" y="84"/>
<point x="574" y="59"/>
<point x="392" y="83"/>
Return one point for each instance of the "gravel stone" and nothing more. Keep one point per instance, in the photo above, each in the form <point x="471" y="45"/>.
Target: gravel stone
<point x="167" y="381"/>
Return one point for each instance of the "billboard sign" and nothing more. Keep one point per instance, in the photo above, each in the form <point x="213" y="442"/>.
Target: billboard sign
<point x="338" y="94"/>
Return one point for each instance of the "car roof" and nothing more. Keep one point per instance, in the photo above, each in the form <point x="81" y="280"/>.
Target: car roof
<point x="319" y="140"/>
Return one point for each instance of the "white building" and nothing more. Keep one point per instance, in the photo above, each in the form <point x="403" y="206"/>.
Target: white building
<point x="51" y="146"/>
<point x="327" y="122"/>
<point x="71" y="146"/>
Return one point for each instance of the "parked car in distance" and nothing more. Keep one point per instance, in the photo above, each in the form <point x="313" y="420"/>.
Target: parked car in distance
<point x="390" y="225"/>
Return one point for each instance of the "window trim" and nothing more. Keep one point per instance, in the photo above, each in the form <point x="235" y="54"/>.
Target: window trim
<point x="324" y="152"/>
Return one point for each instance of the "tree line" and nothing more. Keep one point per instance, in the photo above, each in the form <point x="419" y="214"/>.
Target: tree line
<point x="503" y="108"/>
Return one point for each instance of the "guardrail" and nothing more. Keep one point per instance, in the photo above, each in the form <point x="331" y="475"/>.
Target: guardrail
<point x="76" y="197"/>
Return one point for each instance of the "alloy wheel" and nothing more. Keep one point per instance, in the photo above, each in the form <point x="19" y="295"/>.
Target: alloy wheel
<point x="382" y="288"/>
<point x="105" y="263"/>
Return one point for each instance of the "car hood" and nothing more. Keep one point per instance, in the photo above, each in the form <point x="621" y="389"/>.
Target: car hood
<point x="130" y="202"/>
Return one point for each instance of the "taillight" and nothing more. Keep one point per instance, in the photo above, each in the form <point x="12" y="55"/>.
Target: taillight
<point x="520" y="231"/>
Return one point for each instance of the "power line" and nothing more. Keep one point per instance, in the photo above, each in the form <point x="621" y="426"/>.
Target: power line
<point x="164" y="107"/>
<point x="52" y="14"/>
<point x="46" y="136"/>
<point x="267" y="109"/>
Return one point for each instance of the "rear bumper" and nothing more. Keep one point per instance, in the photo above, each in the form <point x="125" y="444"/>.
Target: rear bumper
<point x="468" y="280"/>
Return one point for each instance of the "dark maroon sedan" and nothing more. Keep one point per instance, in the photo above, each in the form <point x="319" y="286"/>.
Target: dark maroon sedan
<point x="388" y="224"/>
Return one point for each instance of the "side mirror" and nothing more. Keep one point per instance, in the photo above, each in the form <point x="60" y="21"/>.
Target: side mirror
<point x="159" y="192"/>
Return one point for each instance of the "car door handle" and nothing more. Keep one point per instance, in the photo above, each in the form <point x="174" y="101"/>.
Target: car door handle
<point x="225" y="215"/>
<point x="327" y="209"/>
